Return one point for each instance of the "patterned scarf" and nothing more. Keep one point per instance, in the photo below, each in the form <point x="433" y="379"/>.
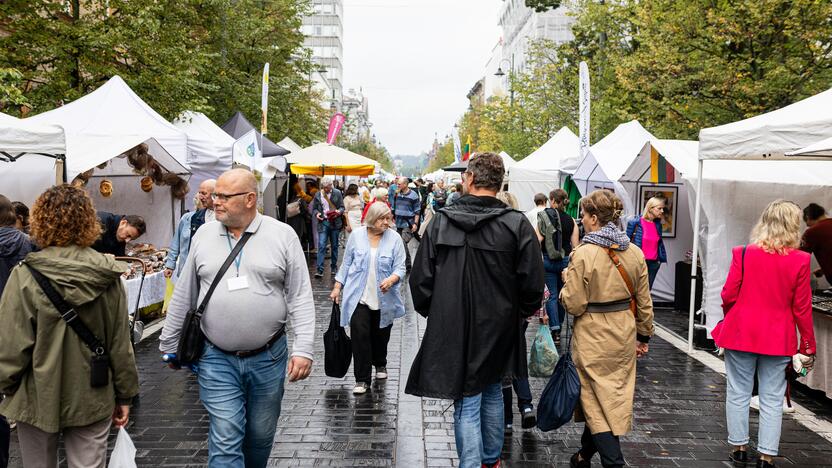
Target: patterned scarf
<point x="608" y="236"/>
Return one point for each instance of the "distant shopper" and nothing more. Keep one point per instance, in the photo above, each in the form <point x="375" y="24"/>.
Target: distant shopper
<point x="14" y="243"/>
<point x="766" y="295"/>
<point x="21" y="211"/>
<point x="328" y="210"/>
<point x="117" y="231"/>
<point x="612" y="327"/>
<point x="189" y="223"/>
<point x="353" y="207"/>
<point x="440" y="195"/>
<point x="818" y="238"/>
<point x="646" y="233"/>
<point x="379" y="195"/>
<point x="45" y="366"/>
<point x="371" y="275"/>
<point x="558" y="235"/>
<point x="406" y="212"/>
<point x="477" y="274"/>
<point x="539" y="205"/>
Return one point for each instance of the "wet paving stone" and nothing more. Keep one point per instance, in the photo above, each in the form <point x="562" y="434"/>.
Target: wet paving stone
<point x="679" y="416"/>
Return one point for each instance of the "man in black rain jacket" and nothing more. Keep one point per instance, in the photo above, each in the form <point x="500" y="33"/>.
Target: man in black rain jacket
<point x="477" y="275"/>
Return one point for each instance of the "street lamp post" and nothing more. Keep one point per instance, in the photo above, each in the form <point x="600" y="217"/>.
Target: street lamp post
<point x="501" y="73"/>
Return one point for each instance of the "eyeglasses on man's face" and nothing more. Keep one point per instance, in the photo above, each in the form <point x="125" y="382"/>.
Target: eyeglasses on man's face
<point x="223" y="197"/>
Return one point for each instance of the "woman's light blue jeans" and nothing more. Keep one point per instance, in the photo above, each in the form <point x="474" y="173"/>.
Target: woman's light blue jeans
<point x="771" y="372"/>
<point x="478" y="427"/>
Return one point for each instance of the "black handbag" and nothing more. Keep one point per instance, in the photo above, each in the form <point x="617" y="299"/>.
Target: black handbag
<point x="337" y="347"/>
<point x="561" y="395"/>
<point x="191" y="339"/>
<point x="99" y="360"/>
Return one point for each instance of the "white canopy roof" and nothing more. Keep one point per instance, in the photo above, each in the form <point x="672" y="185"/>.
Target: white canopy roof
<point x="289" y="144"/>
<point x="331" y="159"/>
<point x="770" y="135"/>
<point x="111" y="120"/>
<point x="508" y="161"/>
<point x="681" y="154"/>
<point x="209" y="149"/>
<point x="22" y="136"/>
<point x="608" y="159"/>
<point x="821" y="149"/>
<point x="560" y="153"/>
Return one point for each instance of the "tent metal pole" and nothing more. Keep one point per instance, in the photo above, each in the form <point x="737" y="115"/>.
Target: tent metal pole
<point x="695" y="255"/>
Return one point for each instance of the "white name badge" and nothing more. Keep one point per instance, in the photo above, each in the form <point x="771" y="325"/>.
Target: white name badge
<point x="237" y="282"/>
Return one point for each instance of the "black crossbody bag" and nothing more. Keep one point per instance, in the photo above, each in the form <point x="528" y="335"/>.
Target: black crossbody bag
<point x="192" y="339"/>
<point x="100" y="360"/>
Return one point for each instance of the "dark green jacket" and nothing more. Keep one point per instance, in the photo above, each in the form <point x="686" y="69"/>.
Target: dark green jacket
<point x="44" y="366"/>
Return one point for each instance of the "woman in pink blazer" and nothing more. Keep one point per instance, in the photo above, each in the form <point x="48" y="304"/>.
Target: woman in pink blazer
<point x="767" y="294"/>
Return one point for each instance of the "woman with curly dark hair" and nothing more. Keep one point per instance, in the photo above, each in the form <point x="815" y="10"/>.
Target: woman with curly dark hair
<point x="63" y="396"/>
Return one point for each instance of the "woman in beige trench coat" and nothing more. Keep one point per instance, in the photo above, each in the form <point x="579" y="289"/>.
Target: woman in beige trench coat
<point x="608" y="334"/>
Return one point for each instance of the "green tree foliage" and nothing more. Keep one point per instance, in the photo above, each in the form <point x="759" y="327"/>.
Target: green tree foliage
<point x="369" y="148"/>
<point x="11" y="92"/>
<point x="176" y="54"/>
<point x="543" y="5"/>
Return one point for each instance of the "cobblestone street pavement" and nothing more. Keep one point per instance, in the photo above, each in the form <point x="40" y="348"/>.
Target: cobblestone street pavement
<point x="679" y="416"/>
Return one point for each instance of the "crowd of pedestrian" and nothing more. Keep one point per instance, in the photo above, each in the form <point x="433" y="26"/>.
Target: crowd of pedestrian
<point x="244" y="277"/>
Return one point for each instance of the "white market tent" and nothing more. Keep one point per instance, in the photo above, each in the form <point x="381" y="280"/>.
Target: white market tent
<point x="31" y="158"/>
<point x="289" y="144"/>
<point x="607" y="160"/>
<point x="508" y="161"/>
<point x="543" y="170"/>
<point x="103" y="125"/>
<point x="753" y="175"/>
<point x="821" y="149"/>
<point x="209" y="152"/>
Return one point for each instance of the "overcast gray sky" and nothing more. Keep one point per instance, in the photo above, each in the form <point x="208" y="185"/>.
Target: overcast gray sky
<point x="416" y="61"/>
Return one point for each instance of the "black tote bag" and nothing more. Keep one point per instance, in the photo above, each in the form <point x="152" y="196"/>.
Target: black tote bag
<point x="337" y="346"/>
<point x="561" y="395"/>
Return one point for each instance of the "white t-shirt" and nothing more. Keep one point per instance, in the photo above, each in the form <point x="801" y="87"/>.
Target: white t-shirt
<point x="532" y="214"/>
<point x="370" y="296"/>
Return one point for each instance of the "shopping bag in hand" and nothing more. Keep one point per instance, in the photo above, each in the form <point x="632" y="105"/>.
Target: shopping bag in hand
<point x="337" y="346"/>
<point x="544" y="354"/>
<point x="124" y="453"/>
<point x="561" y="395"/>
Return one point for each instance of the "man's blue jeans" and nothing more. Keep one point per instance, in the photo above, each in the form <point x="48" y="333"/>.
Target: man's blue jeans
<point x="478" y="427"/>
<point x="740" y="368"/>
<point x="327" y="234"/>
<point x="242" y="396"/>
<point x="554" y="281"/>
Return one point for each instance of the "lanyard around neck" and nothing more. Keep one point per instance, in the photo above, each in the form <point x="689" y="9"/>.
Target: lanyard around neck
<point x="239" y="258"/>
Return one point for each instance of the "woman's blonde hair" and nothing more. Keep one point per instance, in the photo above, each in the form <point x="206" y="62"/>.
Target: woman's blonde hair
<point x="508" y="198"/>
<point x="652" y="203"/>
<point x="778" y="229"/>
<point x="375" y="212"/>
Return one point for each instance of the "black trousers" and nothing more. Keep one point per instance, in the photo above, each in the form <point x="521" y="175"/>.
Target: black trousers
<point x="5" y="435"/>
<point x="605" y="445"/>
<point x="369" y="342"/>
<point x="406" y="234"/>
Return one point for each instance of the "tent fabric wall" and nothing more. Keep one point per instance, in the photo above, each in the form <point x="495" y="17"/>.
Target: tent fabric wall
<point x="30" y="166"/>
<point x="750" y="186"/>
<point x="770" y="135"/>
<point x="542" y="171"/>
<point x="209" y="150"/>
<point x="526" y="183"/>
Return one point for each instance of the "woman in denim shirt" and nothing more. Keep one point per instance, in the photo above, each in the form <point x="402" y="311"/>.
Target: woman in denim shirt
<point x="370" y="274"/>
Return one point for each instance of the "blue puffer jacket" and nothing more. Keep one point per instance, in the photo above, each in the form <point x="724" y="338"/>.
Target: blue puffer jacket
<point x="634" y="232"/>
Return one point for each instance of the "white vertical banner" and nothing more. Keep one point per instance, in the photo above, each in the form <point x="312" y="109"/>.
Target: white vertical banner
<point x="457" y="145"/>
<point x="583" y="107"/>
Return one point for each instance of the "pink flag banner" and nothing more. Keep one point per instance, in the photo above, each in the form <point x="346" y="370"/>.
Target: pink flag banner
<point x="336" y="123"/>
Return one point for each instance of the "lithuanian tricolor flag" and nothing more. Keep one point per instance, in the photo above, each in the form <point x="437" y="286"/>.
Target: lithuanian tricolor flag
<point x="466" y="150"/>
<point x="660" y="170"/>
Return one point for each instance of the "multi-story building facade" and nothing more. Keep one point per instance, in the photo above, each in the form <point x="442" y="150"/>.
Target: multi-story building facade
<point x="324" y="33"/>
<point x="521" y="25"/>
<point x="356" y="108"/>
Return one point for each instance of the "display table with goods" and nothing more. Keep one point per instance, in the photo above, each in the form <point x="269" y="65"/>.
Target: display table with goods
<point x="144" y="282"/>
<point x="820" y="378"/>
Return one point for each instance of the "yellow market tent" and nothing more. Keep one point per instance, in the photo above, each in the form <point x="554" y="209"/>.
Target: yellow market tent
<point x="323" y="159"/>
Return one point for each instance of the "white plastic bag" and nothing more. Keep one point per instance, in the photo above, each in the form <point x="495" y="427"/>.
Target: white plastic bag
<point x="124" y="453"/>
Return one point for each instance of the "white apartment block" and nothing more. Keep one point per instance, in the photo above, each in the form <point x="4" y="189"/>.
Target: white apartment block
<point x="522" y="25"/>
<point x="324" y="33"/>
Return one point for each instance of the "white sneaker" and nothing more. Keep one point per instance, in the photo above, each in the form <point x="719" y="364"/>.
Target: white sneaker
<point x="381" y="373"/>
<point x="786" y="408"/>
<point x="360" y="388"/>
